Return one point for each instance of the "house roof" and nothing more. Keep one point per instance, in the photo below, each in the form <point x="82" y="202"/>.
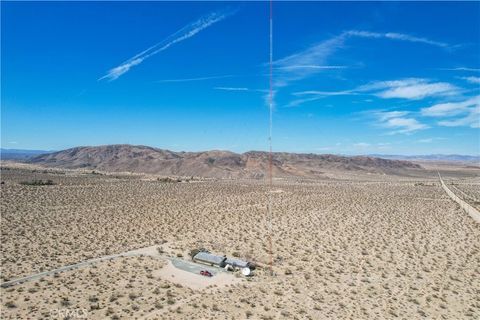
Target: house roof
<point x="237" y="263"/>
<point x="210" y="258"/>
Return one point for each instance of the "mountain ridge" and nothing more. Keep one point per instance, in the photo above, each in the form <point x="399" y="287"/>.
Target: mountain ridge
<point x="20" y="154"/>
<point x="213" y="163"/>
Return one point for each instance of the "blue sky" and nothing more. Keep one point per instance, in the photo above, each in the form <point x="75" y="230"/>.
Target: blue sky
<point x="349" y="78"/>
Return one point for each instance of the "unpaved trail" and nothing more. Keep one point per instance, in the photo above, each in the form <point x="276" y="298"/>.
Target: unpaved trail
<point x="177" y="270"/>
<point x="472" y="212"/>
<point x="148" y="251"/>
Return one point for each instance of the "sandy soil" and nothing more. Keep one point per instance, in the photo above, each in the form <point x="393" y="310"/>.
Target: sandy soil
<point x="195" y="281"/>
<point x="469" y="192"/>
<point x="121" y="288"/>
<point x="351" y="249"/>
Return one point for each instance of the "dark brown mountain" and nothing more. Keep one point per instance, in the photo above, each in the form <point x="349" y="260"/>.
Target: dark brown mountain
<point x="214" y="164"/>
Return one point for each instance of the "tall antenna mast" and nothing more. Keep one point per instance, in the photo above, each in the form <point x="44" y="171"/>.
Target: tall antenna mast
<point x="270" y="180"/>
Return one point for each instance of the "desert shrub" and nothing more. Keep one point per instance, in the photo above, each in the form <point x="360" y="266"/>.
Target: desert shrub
<point x="65" y="302"/>
<point x="38" y="183"/>
<point x="132" y="296"/>
<point x="194" y="252"/>
<point x="168" y="180"/>
<point x="95" y="306"/>
<point x="278" y="292"/>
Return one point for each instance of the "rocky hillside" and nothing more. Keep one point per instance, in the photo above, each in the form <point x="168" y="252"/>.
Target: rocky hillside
<point x="214" y="164"/>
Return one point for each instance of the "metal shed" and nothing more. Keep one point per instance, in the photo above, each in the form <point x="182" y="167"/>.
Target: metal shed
<point x="237" y="263"/>
<point x="211" y="259"/>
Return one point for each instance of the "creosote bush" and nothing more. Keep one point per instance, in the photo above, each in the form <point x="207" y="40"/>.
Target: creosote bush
<point x="38" y="183"/>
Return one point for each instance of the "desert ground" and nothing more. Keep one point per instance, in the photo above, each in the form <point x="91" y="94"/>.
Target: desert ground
<point x="347" y="247"/>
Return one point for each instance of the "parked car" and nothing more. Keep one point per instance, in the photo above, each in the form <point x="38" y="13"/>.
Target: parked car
<point x="206" y="273"/>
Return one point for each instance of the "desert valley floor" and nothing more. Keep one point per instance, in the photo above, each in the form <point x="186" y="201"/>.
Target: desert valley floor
<point x="373" y="247"/>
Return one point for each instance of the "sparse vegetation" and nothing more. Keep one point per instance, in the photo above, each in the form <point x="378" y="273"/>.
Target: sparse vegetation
<point x="194" y="252"/>
<point x="38" y="183"/>
<point x="169" y="180"/>
<point x="342" y="245"/>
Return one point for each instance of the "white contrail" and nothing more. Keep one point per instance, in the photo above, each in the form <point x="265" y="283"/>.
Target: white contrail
<point x="311" y="66"/>
<point x="184" y="33"/>
<point x="196" y="79"/>
<point x="394" y="36"/>
<point x="232" y="88"/>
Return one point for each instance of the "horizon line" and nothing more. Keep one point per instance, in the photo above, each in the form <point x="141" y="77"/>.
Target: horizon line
<point x="251" y="150"/>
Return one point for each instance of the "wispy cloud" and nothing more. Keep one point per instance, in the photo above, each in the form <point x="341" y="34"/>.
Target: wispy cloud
<point x="398" y="122"/>
<point x="314" y="59"/>
<point x="472" y="119"/>
<point x="307" y="62"/>
<point x="430" y="140"/>
<point x="386" y="115"/>
<point x="297" y="102"/>
<point x="451" y="108"/>
<point x="196" y="79"/>
<point x="232" y="88"/>
<point x="361" y="145"/>
<point x="184" y="33"/>
<point x="404" y="125"/>
<point x="316" y="95"/>
<point x="325" y="93"/>
<point x="242" y="89"/>
<point x="460" y="69"/>
<point x="472" y="79"/>
<point x="468" y="110"/>
<point x="315" y="67"/>
<point x="411" y="89"/>
<point x="395" y="36"/>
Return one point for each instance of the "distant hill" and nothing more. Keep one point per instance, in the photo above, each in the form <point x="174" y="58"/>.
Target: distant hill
<point x="433" y="157"/>
<point x="19" y="154"/>
<point x="214" y="164"/>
